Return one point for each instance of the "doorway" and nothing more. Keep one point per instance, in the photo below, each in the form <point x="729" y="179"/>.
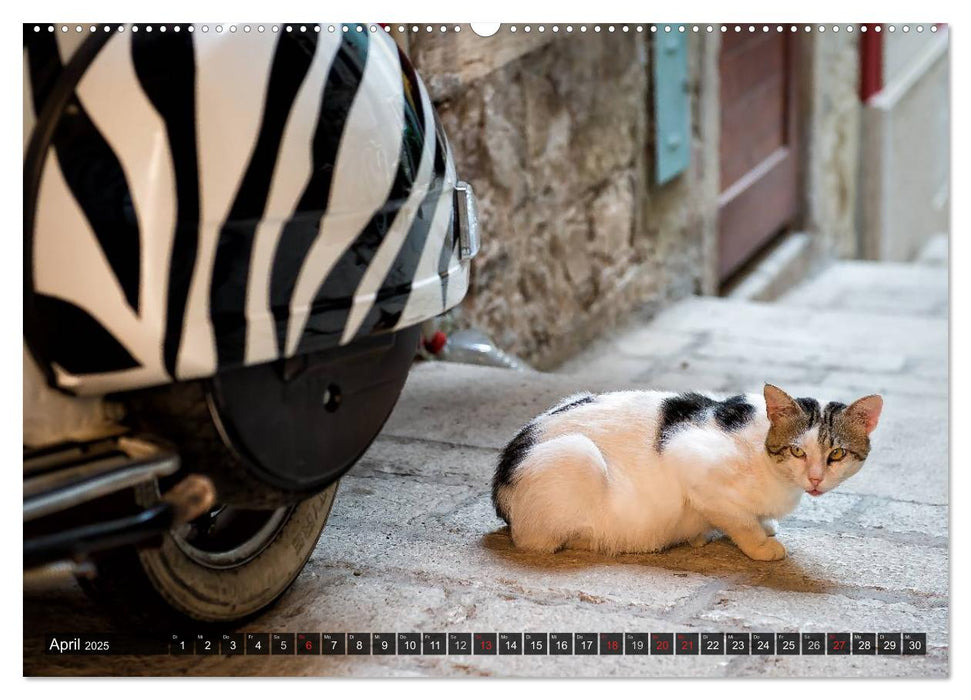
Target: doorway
<point x="760" y="144"/>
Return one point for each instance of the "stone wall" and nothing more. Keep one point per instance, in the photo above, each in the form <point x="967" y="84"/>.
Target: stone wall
<point x="555" y="135"/>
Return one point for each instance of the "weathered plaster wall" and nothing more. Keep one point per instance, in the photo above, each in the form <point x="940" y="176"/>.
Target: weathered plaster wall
<point x="832" y="132"/>
<point x="906" y="149"/>
<point x="555" y="134"/>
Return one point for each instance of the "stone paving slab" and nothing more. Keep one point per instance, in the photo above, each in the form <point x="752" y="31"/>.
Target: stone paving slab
<point x="751" y="608"/>
<point x="904" y="516"/>
<point x="935" y="665"/>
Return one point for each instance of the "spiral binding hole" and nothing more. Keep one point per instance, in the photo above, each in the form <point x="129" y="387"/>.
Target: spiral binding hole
<point x="512" y="28"/>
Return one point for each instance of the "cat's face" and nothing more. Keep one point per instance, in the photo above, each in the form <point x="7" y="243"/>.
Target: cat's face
<point x="818" y="448"/>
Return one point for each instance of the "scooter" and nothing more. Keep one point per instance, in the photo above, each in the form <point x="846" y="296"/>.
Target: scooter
<point x="230" y="240"/>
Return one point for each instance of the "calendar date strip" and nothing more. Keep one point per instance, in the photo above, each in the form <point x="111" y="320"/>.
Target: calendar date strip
<point x="495" y="643"/>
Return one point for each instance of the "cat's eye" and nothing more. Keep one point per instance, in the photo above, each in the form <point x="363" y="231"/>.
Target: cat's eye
<point x="797" y="451"/>
<point x="837" y="454"/>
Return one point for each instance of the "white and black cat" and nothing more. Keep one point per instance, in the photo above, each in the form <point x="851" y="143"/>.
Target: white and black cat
<point x="638" y="471"/>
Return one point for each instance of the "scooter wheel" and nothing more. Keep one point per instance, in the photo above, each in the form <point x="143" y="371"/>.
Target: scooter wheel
<point x="222" y="568"/>
<point x="274" y="450"/>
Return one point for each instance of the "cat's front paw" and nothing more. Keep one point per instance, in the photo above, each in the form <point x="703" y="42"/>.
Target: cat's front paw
<point x="769" y="525"/>
<point x="770" y="550"/>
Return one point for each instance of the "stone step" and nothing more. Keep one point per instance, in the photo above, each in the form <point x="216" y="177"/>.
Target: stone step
<point x="731" y="346"/>
<point x="888" y="289"/>
<point x="936" y="252"/>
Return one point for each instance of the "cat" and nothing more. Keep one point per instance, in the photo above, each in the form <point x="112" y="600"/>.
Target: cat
<point x="640" y="471"/>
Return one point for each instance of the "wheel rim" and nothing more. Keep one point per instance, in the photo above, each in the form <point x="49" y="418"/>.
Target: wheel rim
<point x="228" y="537"/>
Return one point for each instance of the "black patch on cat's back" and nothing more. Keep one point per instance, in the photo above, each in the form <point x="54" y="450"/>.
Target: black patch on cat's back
<point x="573" y="402"/>
<point x="511" y="457"/>
<point x="692" y="408"/>
<point x="676" y="411"/>
<point x="684" y="407"/>
<point x="734" y="412"/>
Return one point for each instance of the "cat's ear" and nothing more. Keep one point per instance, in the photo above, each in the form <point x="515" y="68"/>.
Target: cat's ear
<point x="865" y="412"/>
<point x="779" y="405"/>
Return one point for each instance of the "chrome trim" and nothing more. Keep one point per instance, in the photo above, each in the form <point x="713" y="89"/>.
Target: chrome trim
<point x="55" y="574"/>
<point x="58" y="490"/>
<point x="467" y="216"/>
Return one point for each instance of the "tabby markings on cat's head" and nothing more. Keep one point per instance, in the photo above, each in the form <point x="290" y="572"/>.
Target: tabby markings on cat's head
<point x="819" y="448"/>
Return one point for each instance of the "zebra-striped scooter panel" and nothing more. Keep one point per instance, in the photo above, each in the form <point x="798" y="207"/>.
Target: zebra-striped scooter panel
<point x="213" y="200"/>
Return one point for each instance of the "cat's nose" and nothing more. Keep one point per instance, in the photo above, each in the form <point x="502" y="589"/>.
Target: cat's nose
<point x="814" y="482"/>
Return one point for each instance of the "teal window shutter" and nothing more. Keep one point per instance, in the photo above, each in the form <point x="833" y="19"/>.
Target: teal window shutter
<point x="672" y="105"/>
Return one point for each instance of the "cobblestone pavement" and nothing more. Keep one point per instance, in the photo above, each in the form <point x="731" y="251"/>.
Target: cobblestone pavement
<point x="413" y="544"/>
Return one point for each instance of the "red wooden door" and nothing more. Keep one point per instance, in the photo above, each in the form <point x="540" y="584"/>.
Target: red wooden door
<point x="760" y="187"/>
